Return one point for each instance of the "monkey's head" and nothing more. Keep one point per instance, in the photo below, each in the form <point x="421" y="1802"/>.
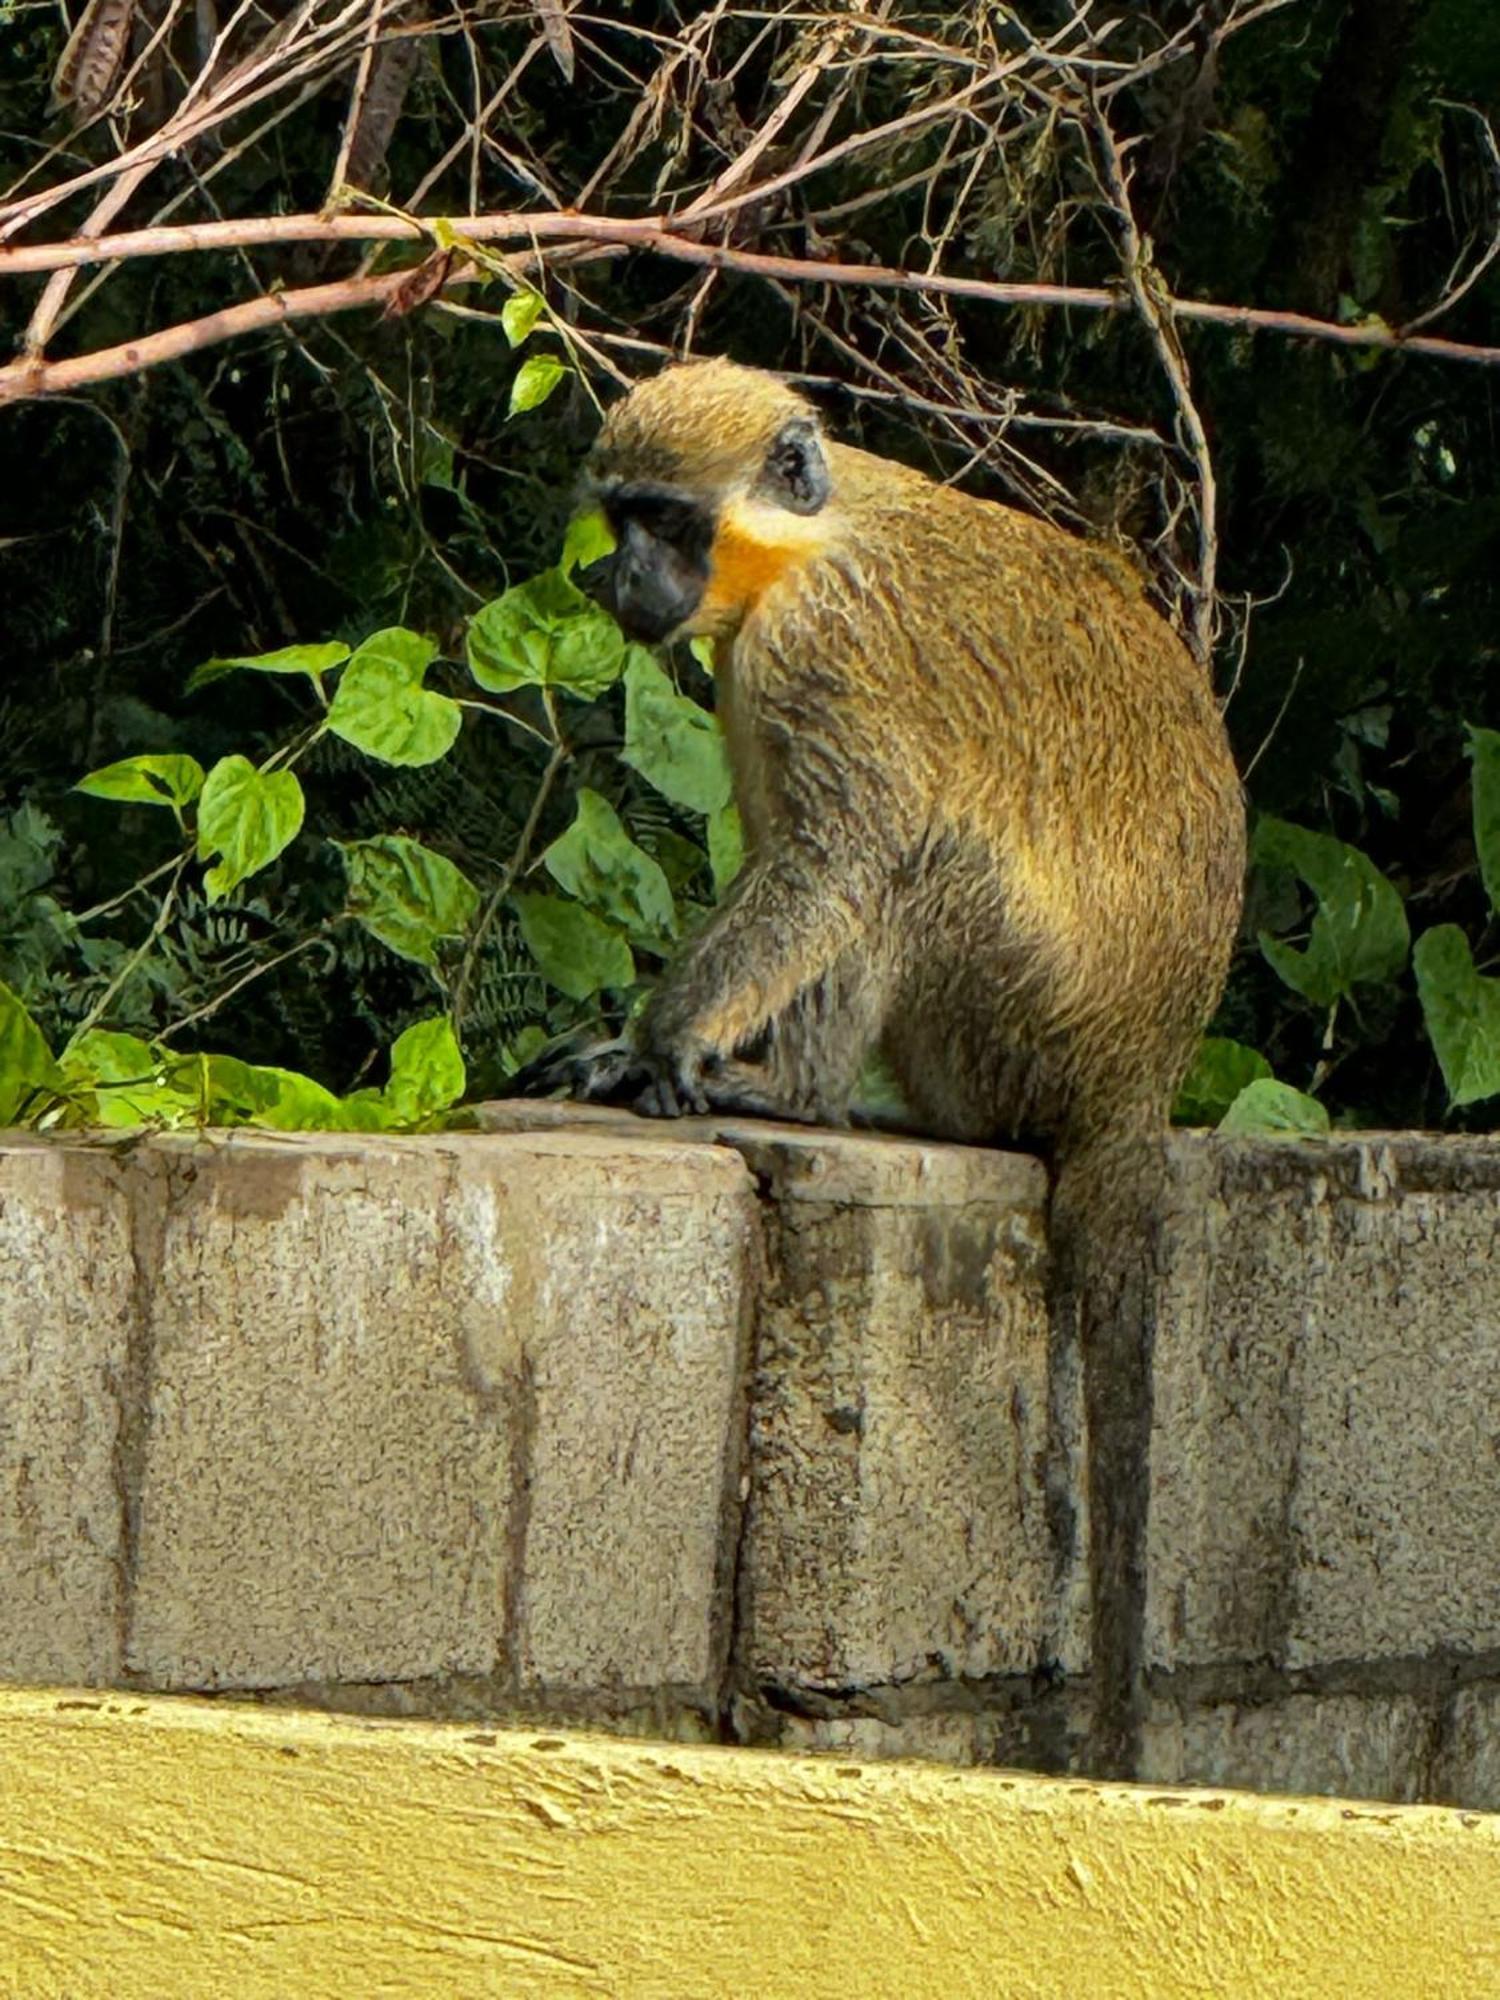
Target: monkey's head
<point x="711" y="477"/>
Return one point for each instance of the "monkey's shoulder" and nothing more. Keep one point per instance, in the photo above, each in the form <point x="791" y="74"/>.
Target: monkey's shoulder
<point x="948" y="530"/>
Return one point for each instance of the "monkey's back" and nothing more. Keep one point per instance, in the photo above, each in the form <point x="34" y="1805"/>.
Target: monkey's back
<point x="1072" y="823"/>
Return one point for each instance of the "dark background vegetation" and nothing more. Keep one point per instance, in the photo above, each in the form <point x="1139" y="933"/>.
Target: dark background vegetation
<point x="1329" y="158"/>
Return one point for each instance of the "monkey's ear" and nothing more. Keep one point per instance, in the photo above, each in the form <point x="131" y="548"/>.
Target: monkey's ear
<point x="796" y="472"/>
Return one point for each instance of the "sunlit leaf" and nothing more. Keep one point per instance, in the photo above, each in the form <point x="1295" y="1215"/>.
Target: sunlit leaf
<point x="156" y="779"/>
<point x="314" y="661"/>
<point x="427" y="1070"/>
<point x="519" y="315"/>
<point x="545" y="633"/>
<point x="536" y="378"/>
<point x="382" y="708"/>
<point x="132" y="1085"/>
<point x="246" y="817"/>
<point x="26" y="1064"/>
<point x="589" y="538"/>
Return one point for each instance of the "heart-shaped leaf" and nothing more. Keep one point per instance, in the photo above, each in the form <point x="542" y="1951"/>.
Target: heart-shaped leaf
<point x="578" y="953"/>
<point x="382" y="708"/>
<point x="246" y="817"/>
<point x="545" y="633"/>
<point x="407" y="894"/>
<point x="1359" y="933"/>
<point x="152" y="780"/>
<point x="314" y="661"/>
<point x="675" y="745"/>
<point x="598" y="862"/>
<point x="1462" y="1010"/>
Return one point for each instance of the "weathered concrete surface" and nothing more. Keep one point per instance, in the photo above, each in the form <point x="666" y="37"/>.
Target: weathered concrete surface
<point x="904" y="1446"/>
<point x="404" y="1409"/>
<point x="1325" y="1445"/>
<point x="67" y="1298"/>
<point x="1352" y="1745"/>
<point x="1467" y="1768"/>
<point x="719" y="1429"/>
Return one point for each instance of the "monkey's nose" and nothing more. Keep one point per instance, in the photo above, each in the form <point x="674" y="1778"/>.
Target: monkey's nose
<point x="598" y="580"/>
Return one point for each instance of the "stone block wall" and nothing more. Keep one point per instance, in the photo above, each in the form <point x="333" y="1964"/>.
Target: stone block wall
<point x="752" y="1433"/>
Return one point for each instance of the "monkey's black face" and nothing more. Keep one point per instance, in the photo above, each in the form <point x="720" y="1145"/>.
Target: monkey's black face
<point x="654" y="579"/>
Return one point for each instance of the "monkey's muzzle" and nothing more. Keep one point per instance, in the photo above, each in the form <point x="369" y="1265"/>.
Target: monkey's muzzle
<point x="649" y="585"/>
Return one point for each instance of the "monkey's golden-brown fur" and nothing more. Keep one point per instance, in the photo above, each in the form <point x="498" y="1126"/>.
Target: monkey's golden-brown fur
<point x="992" y="821"/>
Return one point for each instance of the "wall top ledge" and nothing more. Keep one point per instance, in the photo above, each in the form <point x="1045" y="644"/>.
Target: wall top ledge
<point x="841" y="1168"/>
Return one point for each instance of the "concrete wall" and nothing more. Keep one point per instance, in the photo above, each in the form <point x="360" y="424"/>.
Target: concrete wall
<point x="763" y="1434"/>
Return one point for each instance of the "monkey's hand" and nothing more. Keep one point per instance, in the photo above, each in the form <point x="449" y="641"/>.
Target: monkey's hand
<point x="654" y="1079"/>
<point x="657" y="1082"/>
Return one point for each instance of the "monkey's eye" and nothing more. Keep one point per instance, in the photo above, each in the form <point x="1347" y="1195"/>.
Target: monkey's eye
<point x="795" y="469"/>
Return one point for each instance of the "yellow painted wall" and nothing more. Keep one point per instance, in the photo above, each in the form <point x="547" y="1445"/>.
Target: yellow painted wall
<point x="161" y="1849"/>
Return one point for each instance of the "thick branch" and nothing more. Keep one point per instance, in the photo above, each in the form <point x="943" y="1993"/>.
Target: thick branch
<point x="36" y="378"/>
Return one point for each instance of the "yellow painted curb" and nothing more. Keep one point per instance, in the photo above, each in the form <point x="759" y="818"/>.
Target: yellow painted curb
<point x="161" y="1849"/>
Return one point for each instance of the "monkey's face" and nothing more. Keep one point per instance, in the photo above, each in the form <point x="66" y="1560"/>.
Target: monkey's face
<point x="653" y="581"/>
<point x="708" y="476"/>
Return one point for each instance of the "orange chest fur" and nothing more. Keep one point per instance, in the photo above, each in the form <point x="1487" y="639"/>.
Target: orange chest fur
<point x="743" y="567"/>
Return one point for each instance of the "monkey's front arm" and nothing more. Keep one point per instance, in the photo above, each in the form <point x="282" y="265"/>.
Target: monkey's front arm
<point x="789" y="919"/>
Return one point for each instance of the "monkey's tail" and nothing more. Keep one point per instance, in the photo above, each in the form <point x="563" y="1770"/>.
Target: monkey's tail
<point x="1104" y="1227"/>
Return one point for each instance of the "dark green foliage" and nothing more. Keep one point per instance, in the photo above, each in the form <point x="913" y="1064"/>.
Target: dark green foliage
<point x="368" y="486"/>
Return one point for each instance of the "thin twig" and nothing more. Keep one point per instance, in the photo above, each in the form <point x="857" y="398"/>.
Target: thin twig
<point x="487" y="916"/>
<point x="1156" y="307"/>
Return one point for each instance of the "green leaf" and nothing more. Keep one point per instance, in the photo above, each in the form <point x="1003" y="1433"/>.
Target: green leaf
<point x="382" y="708"/>
<point x="407" y="895"/>
<point x="153" y="780"/>
<point x="703" y="651"/>
<point x="1462" y="1011"/>
<point x="589" y="538"/>
<point x="1484" y="748"/>
<point x="530" y="1042"/>
<point x="246" y="816"/>
<point x="26" y="1064"/>
<point x="675" y="745"/>
<point x="726" y="846"/>
<point x="314" y="661"/>
<point x="1220" y="1071"/>
<point x="536" y="378"/>
<point x="295" y="1103"/>
<point x="1360" y="931"/>
<point x="518" y="316"/>
<point x="1269" y="1109"/>
<point x="545" y="633"/>
<point x="132" y="1084"/>
<point x="577" y="952"/>
<point x="598" y="862"/>
<point x="427" y="1070"/>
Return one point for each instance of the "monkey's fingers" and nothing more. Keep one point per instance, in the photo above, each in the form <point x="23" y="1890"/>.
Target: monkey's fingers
<point x="597" y="1071"/>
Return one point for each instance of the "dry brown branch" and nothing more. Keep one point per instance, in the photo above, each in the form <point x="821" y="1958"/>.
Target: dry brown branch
<point x="650" y="233"/>
<point x="1157" y="308"/>
<point x="44" y="378"/>
<point x="1459" y="286"/>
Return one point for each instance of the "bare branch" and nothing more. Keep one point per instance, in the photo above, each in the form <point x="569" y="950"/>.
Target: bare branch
<point x="1156" y="308"/>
